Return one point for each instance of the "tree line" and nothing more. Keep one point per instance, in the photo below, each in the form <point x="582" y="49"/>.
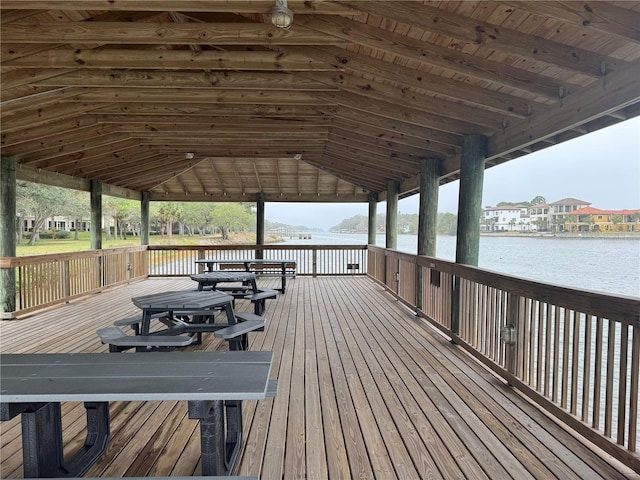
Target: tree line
<point x="407" y="224"/>
<point x="40" y="202"/>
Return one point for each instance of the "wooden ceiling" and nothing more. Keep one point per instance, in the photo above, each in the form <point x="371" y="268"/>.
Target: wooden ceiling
<point x="355" y="94"/>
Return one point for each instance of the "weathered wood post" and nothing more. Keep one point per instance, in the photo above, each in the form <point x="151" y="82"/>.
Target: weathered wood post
<point x="427" y="217"/>
<point x="474" y="151"/>
<point x="260" y="208"/>
<point x="7" y="235"/>
<point x="96" y="222"/>
<point x="144" y="218"/>
<point x="372" y="229"/>
<point x="392" y="214"/>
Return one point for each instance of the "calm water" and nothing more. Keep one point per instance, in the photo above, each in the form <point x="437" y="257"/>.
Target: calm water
<point x="609" y="265"/>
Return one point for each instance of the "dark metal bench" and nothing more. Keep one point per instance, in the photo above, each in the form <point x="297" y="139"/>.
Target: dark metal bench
<point x="119" y="341"/>
<point x="236" y="334"/>
<point x="259" y="299"/>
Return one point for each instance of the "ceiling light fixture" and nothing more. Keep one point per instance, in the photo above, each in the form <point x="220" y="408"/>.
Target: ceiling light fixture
<point x="297" y="156"/>
<point x="189" y="155"/>
<point x="281" y="16"/>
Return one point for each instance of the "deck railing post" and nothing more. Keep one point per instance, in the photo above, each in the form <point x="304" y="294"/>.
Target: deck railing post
<point x="314" y="262"/>
<point x="455" y="305"/>
<point x="511" y="344"/>
<point x="66" y="278"/>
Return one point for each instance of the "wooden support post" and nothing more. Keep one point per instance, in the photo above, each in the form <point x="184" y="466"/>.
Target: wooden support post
<point x="260" y="208"/>
<point x="7" y="235"/>
<point x="96" y="223"/>
<point x="392" y="214"/>
<point x="96" y="214"/>
<point x="144" y="218"/>
<point x="474" y="151"/>
<point x="372" y="227"/>
<point x="427" y="216"/>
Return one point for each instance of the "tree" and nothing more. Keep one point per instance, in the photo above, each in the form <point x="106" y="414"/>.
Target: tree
<point x="40" y="202"/>
<point x="538" y="200"/>
<point x="616" y="219"/>
<point x="231" y="217"/>
<point x="78" y="208"/>
<point x="197" y="216"/>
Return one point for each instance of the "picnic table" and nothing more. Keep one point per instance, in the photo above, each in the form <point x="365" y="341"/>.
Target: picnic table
<point x="262" y="267"/>
<point x="213" y="383"/>
<point x="198" y="304"/>
<point x="212" y="278"/>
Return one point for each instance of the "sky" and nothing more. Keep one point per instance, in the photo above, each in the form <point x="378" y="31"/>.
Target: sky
<point x="602" y="168"/>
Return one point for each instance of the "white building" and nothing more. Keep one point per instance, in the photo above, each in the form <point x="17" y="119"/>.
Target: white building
<point x="511" y="218"/>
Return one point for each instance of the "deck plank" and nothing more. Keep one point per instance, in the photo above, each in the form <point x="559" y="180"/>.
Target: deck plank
<point x="365" y="390"/>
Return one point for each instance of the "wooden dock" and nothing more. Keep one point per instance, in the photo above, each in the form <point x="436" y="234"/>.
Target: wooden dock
<point x="366" y="391"/>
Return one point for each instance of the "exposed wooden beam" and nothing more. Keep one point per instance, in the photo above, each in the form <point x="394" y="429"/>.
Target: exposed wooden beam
<point x="169" y="59"/>
<point x="211" y="80"/>
<point x="185" y="112"/>
<point x="618" y="91"/>
<point x="300" y="7"/>
<point x="408" y="115"/>
<point x="147" y="33"/>
<point x="26" y="174"/>
<point x="435" y="20"/>
<point x="399" y="126"/>
<point x="427" y="54"/>
<point x="599" y="16"/>
<point x="198" y="96"/>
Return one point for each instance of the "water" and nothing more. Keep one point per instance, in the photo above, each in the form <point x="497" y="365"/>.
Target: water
<point x="610" y="265"/>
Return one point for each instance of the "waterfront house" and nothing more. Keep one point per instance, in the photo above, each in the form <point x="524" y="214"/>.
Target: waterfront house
<point x="389" y="365"/>
<point x="559" y="210"/>
<point x="590" y="219"/>
<point x="512" y="218"/>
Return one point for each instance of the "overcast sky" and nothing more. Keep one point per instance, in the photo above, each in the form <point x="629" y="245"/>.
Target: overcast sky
<point x="602" y="168"/>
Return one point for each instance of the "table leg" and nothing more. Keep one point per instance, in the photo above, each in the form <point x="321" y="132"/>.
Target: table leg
<point x="42" y="441"/>
<point x="220" y="447"/>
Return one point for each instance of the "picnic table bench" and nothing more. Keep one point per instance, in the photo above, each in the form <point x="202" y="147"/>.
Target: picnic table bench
<point x="262" y="267"/>
<point x="213" y="383"/>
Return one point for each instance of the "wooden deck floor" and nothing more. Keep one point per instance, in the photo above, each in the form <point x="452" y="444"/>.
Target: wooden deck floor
<point x="365" y="391"/>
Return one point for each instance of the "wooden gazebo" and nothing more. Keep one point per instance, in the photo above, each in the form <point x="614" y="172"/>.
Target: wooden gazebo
<point x="354" y="101"/>
<point x="209" y="101"/>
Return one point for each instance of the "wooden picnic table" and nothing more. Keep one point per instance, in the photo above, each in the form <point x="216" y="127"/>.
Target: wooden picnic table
<point x="262" y="267"/>
<point x="213" y="383"/>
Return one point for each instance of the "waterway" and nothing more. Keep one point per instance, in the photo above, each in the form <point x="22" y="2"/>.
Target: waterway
<point x="610" y="265"/>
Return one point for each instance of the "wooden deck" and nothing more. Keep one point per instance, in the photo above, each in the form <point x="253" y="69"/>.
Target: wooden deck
<point x="365" y="391"/>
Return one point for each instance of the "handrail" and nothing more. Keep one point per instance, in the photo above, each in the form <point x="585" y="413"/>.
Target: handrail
<point x="313" y="260"/>
<point x="45" y="280"/>
<point x="575" y="353"/>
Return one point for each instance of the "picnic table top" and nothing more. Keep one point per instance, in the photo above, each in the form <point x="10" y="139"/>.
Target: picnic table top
<point x="223" y="276"/>
<point x="245" y="260"/>
<point x="182" y="300"/>
<point x="98" y="377"/>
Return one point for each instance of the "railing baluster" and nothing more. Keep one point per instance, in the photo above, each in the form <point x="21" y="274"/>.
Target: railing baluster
<point x="622" y="384"/>
<point x="608" y="403"/>
<point x="586" y="379"/>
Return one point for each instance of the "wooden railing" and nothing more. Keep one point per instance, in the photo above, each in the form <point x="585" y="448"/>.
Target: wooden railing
<point x="575" y="353"/>
<point x="166" y="261"/>
<point x="44" y="280"/>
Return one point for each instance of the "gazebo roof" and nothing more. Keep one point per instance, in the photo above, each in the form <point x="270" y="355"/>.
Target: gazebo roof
<point x="207" y="101"/>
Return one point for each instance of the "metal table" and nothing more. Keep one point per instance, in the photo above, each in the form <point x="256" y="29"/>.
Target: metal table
<point x="213" y="383"/>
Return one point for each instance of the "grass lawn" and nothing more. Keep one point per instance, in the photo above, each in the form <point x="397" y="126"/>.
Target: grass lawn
<point x="66" y="245"/>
